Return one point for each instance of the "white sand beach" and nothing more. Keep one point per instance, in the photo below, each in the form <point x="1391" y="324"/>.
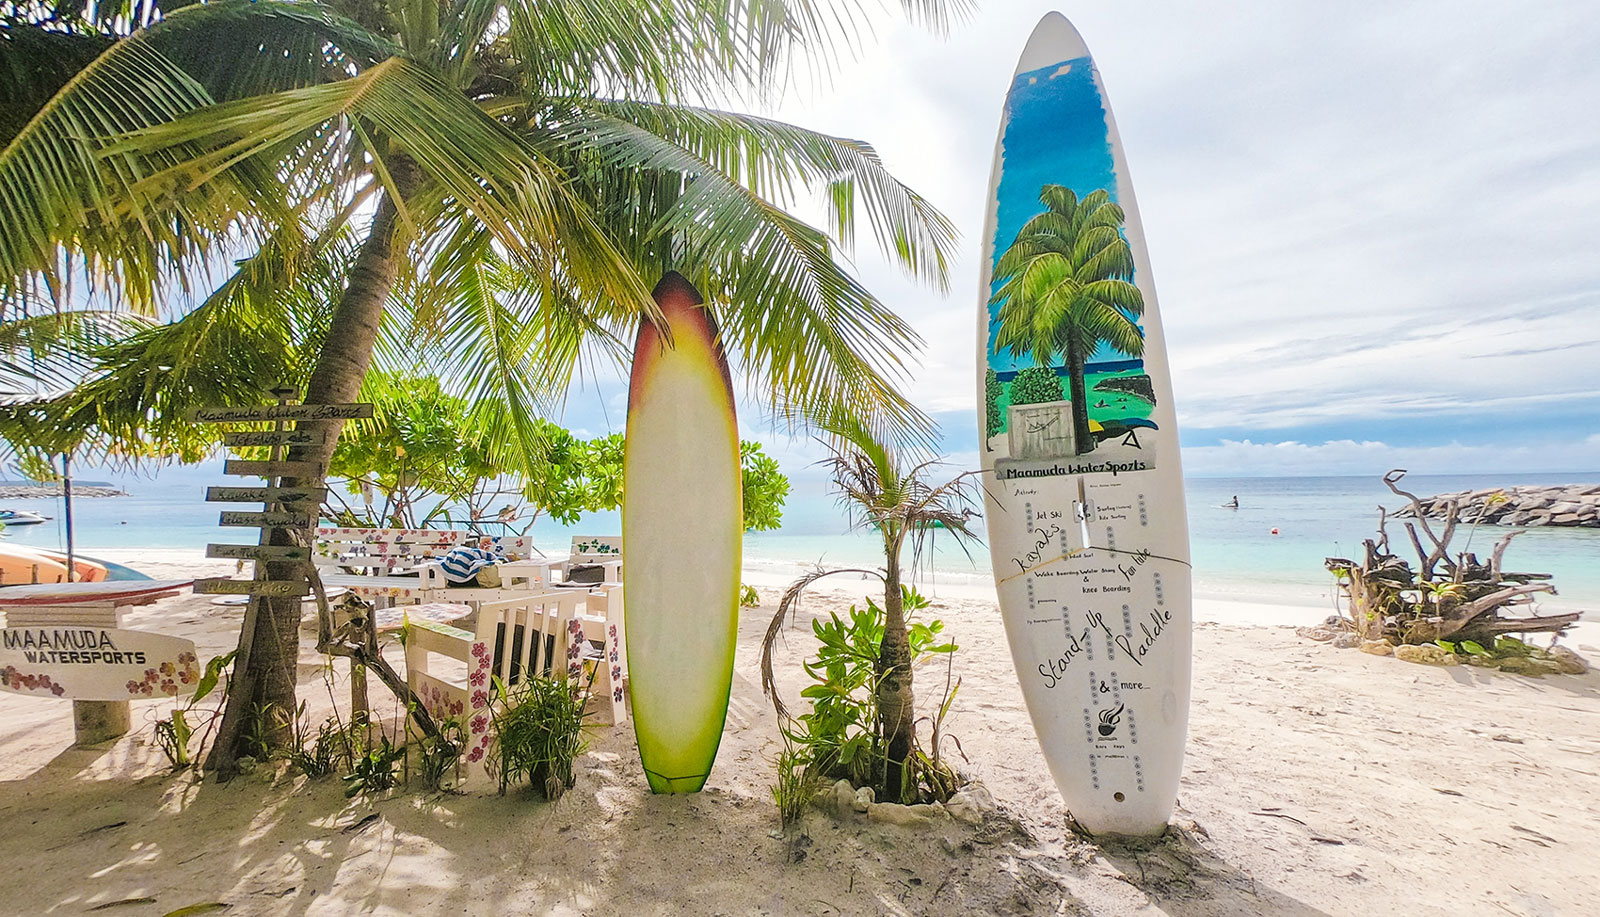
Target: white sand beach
<point x="1317" y="781"/>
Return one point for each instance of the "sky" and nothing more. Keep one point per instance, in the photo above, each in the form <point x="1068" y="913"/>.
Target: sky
<point x="1373" y="226"/>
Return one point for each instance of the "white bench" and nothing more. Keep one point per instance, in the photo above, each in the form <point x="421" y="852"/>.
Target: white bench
<point x="550" y="633"/>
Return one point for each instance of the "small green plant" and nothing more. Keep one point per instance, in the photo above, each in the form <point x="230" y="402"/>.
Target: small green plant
<point x="374" y="769"/>
<point x="797" y="782"/>
<point x="841" y="738"/>
<point x="537" y="728"/>
<point x="174" y="733"/>
<point x="330" y="749"/>
<point x="438" y="755"/>
<point x="264" y="721"/>
<point x="748" y="596"/>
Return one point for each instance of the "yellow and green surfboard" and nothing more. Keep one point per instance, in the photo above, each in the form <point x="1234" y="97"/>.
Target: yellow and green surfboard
<point x="682" y="528"/>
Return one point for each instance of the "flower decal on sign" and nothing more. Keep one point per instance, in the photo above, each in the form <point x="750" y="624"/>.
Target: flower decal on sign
<point x="16" y="680"/>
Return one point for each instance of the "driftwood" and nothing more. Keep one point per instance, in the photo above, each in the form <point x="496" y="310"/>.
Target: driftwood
<point x="1453" y="597"/>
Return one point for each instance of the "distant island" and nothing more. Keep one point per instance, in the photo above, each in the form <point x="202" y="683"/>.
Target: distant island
<point x="34" y="490"/>
<point x="1137" y="386"/>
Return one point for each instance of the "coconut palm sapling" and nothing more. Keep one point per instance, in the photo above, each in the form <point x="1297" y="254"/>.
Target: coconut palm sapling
<point x="891" y="494"/>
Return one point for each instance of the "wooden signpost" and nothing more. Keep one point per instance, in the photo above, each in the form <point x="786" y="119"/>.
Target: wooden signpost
<point x="300" y="518"/>
<point x="292" y="510"/>
<point x="273" y="469"/>
<point x="275" y="437"/>
<point x="281" y="412"/>
<point x="259" y="551"/>
<point x="251" y="587"/>
<point x="264" y="494"/>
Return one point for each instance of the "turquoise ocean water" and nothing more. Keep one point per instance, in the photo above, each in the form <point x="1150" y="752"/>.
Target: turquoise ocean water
<point x="1235" y="553"/>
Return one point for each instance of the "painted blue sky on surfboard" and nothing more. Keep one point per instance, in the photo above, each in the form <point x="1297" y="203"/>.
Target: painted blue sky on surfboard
<point x="1056" y="134"/>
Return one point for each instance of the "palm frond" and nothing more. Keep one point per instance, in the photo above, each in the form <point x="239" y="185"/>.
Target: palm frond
<point x="816" y="339"/>
<point x="67" y="190"/>
<point x="35" y="62"/>
<point x="772" y="158"/>
<point x="518" y="195"/>
<point x="251" y="333"/>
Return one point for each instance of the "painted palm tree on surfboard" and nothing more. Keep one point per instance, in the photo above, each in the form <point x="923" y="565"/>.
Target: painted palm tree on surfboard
<point x="1064" y="287"/>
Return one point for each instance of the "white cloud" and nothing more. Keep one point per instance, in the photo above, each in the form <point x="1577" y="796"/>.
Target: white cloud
<point x="1247" y="458"/>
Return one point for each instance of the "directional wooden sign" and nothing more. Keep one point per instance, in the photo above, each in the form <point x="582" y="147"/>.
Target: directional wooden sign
<point x="251" y="587"/>
<point x="275" y="437"/>
<point x="273" y="469"/>
<point x="282" y="412"/>
<point x="263" y="494"/>
<point x="259" y="551"/>
<point x="302" y="519"/>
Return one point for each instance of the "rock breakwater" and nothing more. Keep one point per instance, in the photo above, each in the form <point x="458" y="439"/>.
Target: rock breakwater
<point x="1576" y="505"/>
<point x="49" y="491"/>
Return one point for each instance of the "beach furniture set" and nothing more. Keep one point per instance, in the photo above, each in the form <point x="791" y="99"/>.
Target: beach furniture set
<point x="545" y="616"/>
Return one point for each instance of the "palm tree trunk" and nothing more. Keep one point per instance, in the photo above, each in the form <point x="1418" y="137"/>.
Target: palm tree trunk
<point x="263" y="685"/>
<point x="1083" y="440"/>
<point x="896" y="706"/>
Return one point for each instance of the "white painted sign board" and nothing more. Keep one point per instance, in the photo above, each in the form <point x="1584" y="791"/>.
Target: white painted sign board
<point x="95" y="663"/>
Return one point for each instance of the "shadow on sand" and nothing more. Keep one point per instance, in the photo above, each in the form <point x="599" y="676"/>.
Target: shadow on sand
<point x="1184" y="877"/>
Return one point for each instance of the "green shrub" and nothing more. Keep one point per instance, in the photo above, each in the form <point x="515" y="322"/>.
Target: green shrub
<point x="1036" y="385"/>
<point x="797" y="782"/>
<point x="174" y="733"/>
<point x="439" y="755"/>
<point x="330" y="749"/>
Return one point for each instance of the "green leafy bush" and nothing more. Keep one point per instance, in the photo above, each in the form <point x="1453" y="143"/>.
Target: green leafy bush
<point x="174" y="733"/>
<point x="764" y="486"/>
<point x="331" y="748"/>
<point x="438" y="755"/>
<point x="1036" y="385"/>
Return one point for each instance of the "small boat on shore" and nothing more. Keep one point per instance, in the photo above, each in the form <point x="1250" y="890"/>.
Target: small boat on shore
<point x="24" y="565"/>
<point x="19" y="517"/>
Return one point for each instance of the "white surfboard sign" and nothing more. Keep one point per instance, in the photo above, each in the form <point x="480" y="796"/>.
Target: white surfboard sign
<point x="96" y="663"/>
<point x="1087" y="529"/>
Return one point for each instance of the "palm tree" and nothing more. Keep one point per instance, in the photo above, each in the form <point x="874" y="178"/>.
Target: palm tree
<point x="892" y="495"/>
<point x="1064" y="288"/>
<point x="495" y="182"/>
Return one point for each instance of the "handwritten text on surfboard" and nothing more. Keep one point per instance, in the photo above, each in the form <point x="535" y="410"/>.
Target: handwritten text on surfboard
<point x="1150" y="631"/>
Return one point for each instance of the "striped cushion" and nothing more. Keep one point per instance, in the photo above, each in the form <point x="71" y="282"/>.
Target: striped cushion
<point x="461" y="564"/>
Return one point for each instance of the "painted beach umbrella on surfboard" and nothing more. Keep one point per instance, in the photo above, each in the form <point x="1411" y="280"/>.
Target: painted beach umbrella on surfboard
<point x="682" y="531"/>
<point x="1089" y="540"/>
